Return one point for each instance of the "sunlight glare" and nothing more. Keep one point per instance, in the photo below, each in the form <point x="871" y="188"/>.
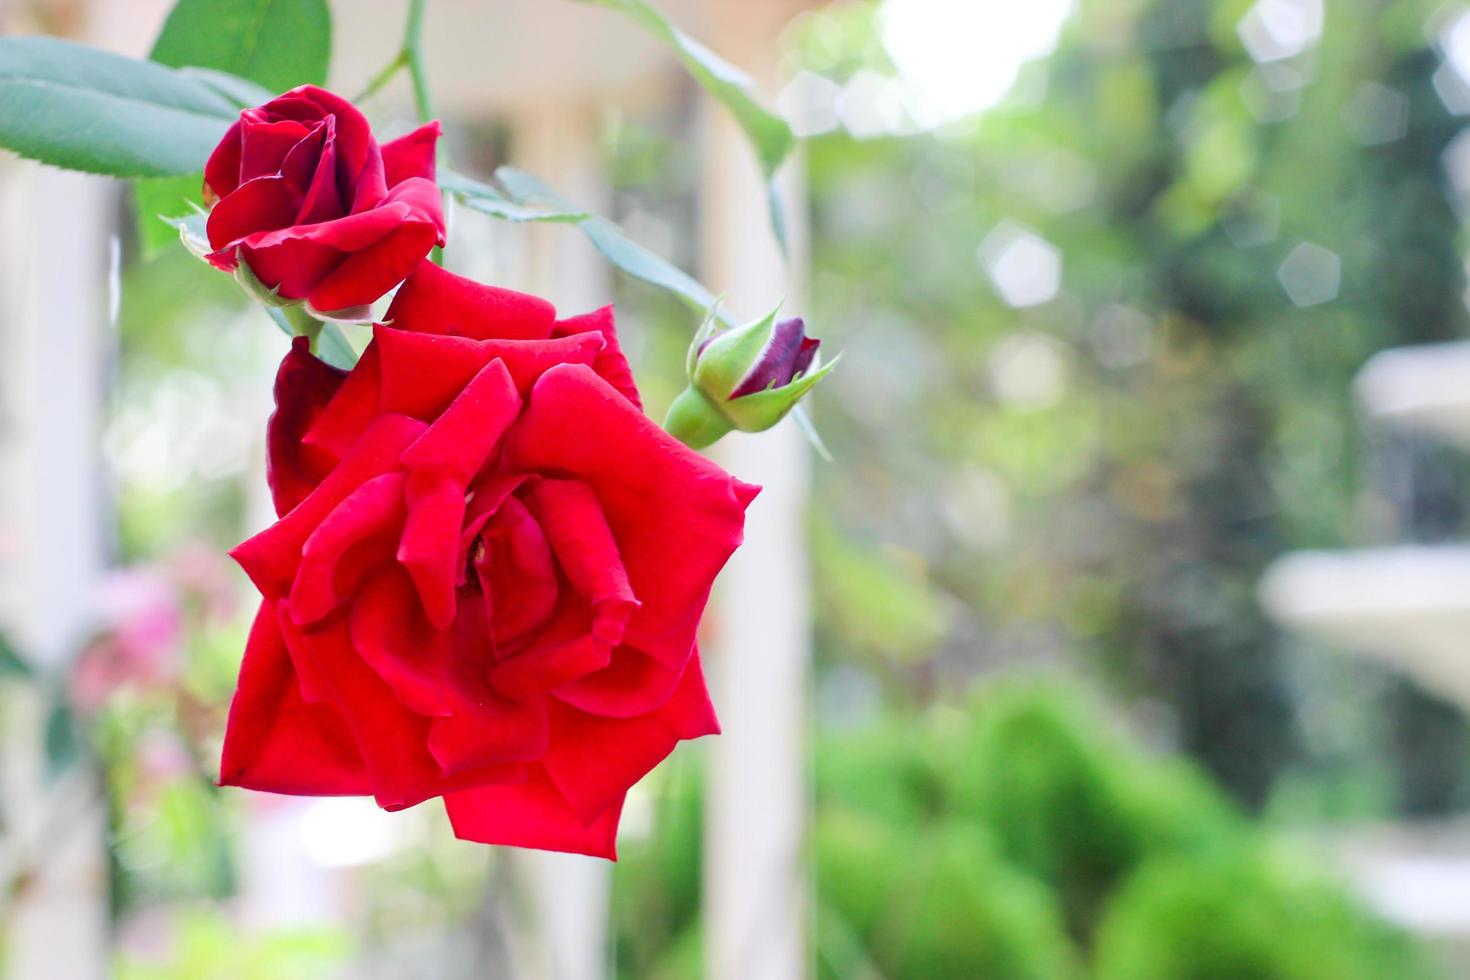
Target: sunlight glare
<point x="958" y="58"/>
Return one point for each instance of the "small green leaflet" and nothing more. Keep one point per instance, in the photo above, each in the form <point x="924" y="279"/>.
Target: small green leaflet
<point x="73" y="106"/>
<point x="492" y="201"/>
<point x="618" y="248"/>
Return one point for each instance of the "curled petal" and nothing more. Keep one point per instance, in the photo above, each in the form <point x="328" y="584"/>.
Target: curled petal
<point x="595" y="760"/>
<point x="515" y="565"/>
<point x="304" y="386"/>
<point x="610" y="363"/>
<point x="265" y="202"/>
<point x="631" y="684"/>
<point x="561" y="652"/>
<point x="572" y="519"/>
<point x="371" y="515"/>
<point x="653" y="490"/>
<point x="271" y="557"/>
<point x="532" y="814"/>
<point x="277" y="742"/>
<point x="430" y="543"/>
<point x="423" y="373"/>
<point x="411" y="155"/>
<point x="436" y="301"/>
<point x="463" y="436"/>
<point x="391" y="634"/>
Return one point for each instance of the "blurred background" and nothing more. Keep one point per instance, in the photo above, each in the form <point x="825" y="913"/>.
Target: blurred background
<point x="1124" y="637"/>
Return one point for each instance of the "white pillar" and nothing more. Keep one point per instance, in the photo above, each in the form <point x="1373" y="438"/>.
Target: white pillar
<point x="54" y="241"/>
<point x="568" y="894"/>
<point x="755" y="878"/>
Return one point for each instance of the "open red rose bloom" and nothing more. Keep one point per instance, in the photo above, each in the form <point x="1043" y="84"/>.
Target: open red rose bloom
<point x="302" y="194"/>
<point x="486" y="577"/>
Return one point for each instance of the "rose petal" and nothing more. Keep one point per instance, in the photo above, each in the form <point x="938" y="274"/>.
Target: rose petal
<point x="275" y="741"/>
<point x="340" y="547"/>
<point x="422" y="373"/>
<point x="260" y="205"/>
<point x="390" y="633"/>
<point x="264" y="144"/>
<point x="632" y="684"/>
<point x="304" y="386"/>
<point x="595" y="760"/>
<point x="653" y="491"/>
<point x="610" y="364"/>
<point x="368" y="273"/>
<point x="321" y="198"/>
<point x="271" y="557"/>
<point x="532" y="814"/>
<point x="572" y="519"/>
<point x="561" y="652"/>
<point x="351" y="411"/>
<point x="222" y="169"/>
<point x="411" y="155"/>
<point x="436" y="301"/>
<point x="515" y="564"/>
<point x="463" y="436"/>
<point x="390" y="738"/>
<point x="430" y="542"/>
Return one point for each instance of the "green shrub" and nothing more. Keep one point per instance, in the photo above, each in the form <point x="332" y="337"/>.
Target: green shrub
<point x="934" y="904"/>
<point x="1242" y="914"/>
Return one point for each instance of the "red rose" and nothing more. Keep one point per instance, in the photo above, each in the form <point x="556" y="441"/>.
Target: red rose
<point x="307" y="199"/>
<point x="487" y="575"/>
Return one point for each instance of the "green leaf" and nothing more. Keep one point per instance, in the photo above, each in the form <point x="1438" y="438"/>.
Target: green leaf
<point x="486" y="199"/>
<point x="77" y="107"/>
<point x="164" y="197"/>
<point x="240" y="91"/>
<point x="618" y="248"/>
<point x="772" y="138"/>
<point x="278" y="43"/>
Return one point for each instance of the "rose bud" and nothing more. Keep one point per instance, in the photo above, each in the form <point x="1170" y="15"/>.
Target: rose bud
<point x="744" y="378"/>
<point x="305" y="206"/>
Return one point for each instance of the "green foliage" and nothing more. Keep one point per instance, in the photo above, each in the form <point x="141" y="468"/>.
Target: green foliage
<point x="1200" y="424"/>
<point x="941" y="903"/>
<point x="1069" y="801"/>
<point x="1027" y="835"/>
<point x="77" y="107"/>
<point x="277" y="44"/>
<point x="1244" y="915"/>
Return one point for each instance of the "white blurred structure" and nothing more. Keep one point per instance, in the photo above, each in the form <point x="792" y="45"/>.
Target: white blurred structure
<point x="550" y="70"/>
<point x="1408" y="607"/>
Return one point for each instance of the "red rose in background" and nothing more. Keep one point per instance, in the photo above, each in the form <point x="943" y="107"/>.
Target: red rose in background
<point x="302" y="194"/>
<point x="487" y="575"/>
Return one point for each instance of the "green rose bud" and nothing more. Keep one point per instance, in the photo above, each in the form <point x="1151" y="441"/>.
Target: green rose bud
<point x="744" y="378"/>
